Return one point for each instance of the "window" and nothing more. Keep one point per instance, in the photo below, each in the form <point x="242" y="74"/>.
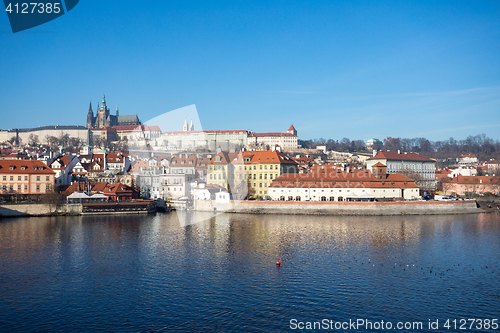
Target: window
<point x="4" y="177"/>
<point x="323" y="198"/>
<point x="18" y="177"/>
<point x="261" y="166"/>
<point x="265" y="176"/>
<point x="297" y="198"/>
<point x="332" y="199"/>
<point x="210" y="176"/>
<point x="47" y="187"/>
<point x="19" y="187"/>
<point x="290" y="198"/>
<point x="47" y="178"/>
<point x="260" y="176"/>
<point x="11" y="187"/>
<point x="282" y="198"/>
<point x="255" y="167"/>
<point x="260" y="184"/>
<point x="25" y="187"/>
<point x="38" y="187"/>
<point x="11" y="177"/>
<point x="37" y="178"/>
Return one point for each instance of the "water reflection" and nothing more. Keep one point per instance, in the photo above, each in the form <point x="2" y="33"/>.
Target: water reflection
<point x="140" y="272"/>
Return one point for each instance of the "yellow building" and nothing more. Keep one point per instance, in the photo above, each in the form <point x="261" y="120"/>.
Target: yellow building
<point x="252" y="170"/>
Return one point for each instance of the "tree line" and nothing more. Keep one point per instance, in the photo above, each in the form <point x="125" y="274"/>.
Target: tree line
<point x="480" y="145"/>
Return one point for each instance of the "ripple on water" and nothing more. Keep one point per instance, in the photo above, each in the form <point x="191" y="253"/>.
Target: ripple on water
<point x="146" y="273"/>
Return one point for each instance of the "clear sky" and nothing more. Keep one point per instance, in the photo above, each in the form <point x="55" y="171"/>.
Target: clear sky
<point x="356" y="69"/>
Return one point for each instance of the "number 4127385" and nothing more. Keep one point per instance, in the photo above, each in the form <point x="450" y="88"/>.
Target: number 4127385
<point x="34" y="7"/>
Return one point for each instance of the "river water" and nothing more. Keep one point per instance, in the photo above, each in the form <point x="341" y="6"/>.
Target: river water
<point x="149" y="274"/>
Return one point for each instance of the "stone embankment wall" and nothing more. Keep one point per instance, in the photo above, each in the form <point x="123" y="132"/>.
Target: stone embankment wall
<point x="340" y="208"/>
<point x="39" y="210"/>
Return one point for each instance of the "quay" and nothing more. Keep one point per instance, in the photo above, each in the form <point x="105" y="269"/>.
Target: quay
<point x="35" y="209"/>
<point x="340" y="208"/>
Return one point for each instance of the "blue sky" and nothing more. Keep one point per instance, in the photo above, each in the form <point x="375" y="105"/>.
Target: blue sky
<point x="334" y="69"/>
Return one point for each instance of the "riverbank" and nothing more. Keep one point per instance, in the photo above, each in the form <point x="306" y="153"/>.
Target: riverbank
<point x="33" y="210"/>
<point x="341" y="208"/>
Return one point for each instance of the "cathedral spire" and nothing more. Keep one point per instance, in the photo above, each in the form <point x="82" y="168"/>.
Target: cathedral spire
<point x="117" y="112"/>
<point x="191" y="126"/>
<point x="90" y="107"/>
<point x="103" y="105"/>
<point x="185" y="127"/>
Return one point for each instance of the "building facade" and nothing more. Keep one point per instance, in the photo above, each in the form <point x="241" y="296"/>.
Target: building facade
<point x="104" y="118"/>
<point x="249" y="172"/>
<point x="403" y="162"/>
<point x="339" y="186"/>
<point x="25" y="177"/>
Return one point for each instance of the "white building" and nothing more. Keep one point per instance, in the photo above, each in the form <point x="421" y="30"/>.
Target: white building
<point x="211" y="192"/>
<point x="63" y="167"/>
<point x="338" y="186"/>
<point x="284" y="140"/>
<point x="467" y="160"/>
<point x="397" y="161"/>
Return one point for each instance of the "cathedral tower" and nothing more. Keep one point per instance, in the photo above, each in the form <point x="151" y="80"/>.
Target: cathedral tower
<point x="90" y="117"/>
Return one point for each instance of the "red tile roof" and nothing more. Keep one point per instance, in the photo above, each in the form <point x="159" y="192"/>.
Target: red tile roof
<point x="476" y="180"/>
<point x="292" y="128"/>
<point x="17" y="167"/>
<point x="189" y="161"/>
<point x="270" y="134"/>
<point x="358" y="178"/>
<point x="207" y="132"/>
<point x="378" y="164"/>
<point x="393" y="155"/>
<point x="152" y="128"/>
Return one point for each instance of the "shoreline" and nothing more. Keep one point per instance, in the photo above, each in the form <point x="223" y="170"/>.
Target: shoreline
<point x="341" y="208"/>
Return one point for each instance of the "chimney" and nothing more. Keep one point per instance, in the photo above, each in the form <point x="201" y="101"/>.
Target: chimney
<point x="374" y="152"/>
<point x="399" y="151"/>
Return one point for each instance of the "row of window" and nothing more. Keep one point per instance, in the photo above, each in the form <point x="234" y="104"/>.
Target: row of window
<point x="215" y="176"/>
<point x="298" y="198"/>
<point x="262" y="176"/>
<point x="47" y="178"/>
<point x="261" y="167"/>
<point x="19" y="187"/>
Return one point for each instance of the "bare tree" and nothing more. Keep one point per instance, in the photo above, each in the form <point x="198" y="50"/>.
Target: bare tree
<point x="33" y="139"/>
<point x="415" y="176"/>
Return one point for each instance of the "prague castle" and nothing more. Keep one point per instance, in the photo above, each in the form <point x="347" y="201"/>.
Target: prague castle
<point x="104" y="119"/>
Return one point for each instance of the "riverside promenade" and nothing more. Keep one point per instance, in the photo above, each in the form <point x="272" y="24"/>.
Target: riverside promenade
<point x="340" y="208"/>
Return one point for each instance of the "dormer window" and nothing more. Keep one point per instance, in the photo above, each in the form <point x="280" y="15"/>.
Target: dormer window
<point x="11" y="168"/>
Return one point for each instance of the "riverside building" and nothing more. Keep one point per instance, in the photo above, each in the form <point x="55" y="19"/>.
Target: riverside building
<point x="337" y="186"/>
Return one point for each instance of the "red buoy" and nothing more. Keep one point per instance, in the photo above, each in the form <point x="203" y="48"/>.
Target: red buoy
<point x="278" y="262"/>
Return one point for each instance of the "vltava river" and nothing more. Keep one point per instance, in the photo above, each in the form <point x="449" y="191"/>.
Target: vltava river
<point x="148" y="274"/>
